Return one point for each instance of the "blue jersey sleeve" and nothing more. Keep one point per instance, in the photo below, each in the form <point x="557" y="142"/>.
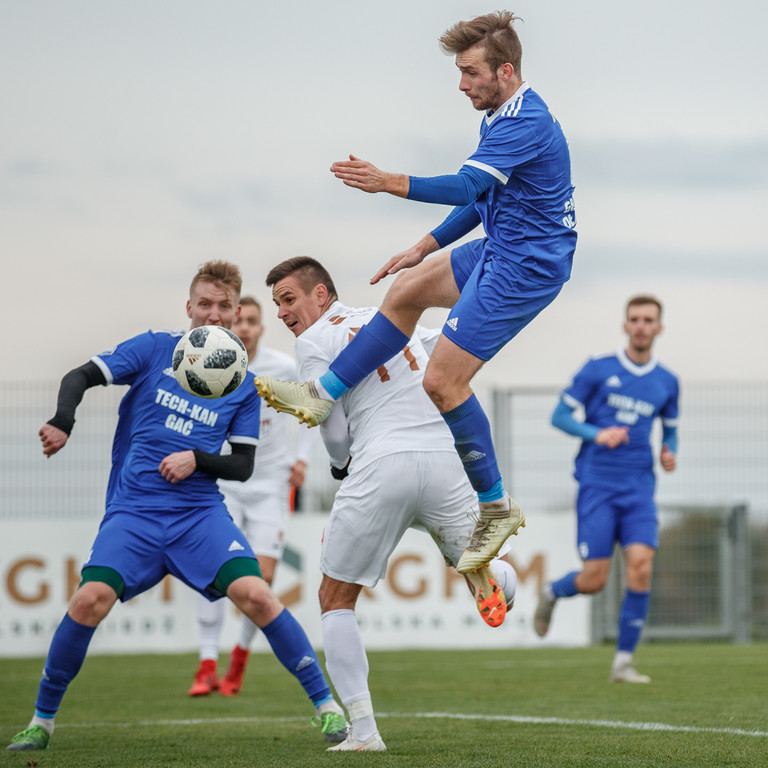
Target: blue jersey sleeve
<point x="123" y="363"/>
<point x="244" y="427"/>
<point x="460" y="221"/>
<point x="578" y="392"/>
<point x="457" y="189"/>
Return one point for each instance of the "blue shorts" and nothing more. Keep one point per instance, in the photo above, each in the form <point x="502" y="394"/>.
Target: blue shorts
<point x="191" y="545"/>
<point x="606" y="516"/>
<point x="498" y="299"/>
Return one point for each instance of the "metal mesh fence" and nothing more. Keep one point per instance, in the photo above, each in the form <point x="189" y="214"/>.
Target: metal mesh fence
<point x="723" y="457"/>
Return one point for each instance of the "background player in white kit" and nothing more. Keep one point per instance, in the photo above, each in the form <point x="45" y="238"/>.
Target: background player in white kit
<point x="399" y="469"/>
<point x="260" y="506"/>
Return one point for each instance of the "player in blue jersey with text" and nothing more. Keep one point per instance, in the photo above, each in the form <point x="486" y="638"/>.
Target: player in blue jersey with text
<point x="620" y="394"/>
<point x="164" y="512"/>
<point x="517" y="184"/>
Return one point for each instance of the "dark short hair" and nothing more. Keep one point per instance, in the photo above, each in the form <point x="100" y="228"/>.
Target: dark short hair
<point x="308" y="271"/>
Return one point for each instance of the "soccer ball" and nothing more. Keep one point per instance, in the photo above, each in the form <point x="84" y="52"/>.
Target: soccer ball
<point x="210" y="361"/>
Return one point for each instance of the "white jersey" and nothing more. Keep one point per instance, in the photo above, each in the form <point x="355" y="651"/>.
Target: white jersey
<point x="282" y="441"/>
<point x="388" y="412"/>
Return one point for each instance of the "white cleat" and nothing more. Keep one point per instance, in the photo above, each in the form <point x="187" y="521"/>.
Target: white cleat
<point x="628" y="674"/>
<point x="497" y="521"/>
<point x="351" y="744"/>
<point x="542" y="616"/>
<point x="300" y="399"/>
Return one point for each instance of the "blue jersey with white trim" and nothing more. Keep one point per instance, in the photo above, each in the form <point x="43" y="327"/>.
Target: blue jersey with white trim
<point x="157" y="417"/>
<point x="529" y="215"/>
<point x="616" y="392"/>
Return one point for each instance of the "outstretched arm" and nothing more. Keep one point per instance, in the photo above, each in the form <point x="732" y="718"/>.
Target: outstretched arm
<point x="459" y="188"/>
<point x="55" y="432"/>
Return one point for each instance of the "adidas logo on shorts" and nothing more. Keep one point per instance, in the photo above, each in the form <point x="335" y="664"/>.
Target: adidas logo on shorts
<point x="452" y="323"/>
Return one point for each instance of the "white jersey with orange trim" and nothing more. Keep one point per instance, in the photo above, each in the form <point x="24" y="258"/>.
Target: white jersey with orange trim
<point x="388" y="412"/>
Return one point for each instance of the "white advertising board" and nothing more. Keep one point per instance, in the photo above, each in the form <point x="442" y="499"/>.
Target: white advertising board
<point x="420" y="603"/>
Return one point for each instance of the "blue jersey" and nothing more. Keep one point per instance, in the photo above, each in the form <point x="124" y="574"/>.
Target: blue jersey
<point x="529" y="216"/>
<point x="157" y="417"/>
<point x="616" y="392"/>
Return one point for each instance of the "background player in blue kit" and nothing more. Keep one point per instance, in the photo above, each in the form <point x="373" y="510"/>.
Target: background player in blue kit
<point x="621" y="395"/>
<point x="517" y="184"/>
<point x="164" y="512"/>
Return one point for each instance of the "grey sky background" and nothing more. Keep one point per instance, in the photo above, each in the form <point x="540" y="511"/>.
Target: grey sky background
<point x="140" y="139"/>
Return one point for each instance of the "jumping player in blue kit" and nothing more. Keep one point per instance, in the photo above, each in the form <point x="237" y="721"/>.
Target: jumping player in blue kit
<point x="164" y="512"/>
<point x="517" y="184"/>
<point x="621" y="394"/>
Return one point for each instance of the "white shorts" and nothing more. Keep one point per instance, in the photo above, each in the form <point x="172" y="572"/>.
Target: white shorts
<point x="263" y="521"/>
<point x="375" y="506"/>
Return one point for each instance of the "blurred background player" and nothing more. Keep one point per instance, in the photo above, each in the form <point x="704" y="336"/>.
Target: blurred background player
<point x="164" y="512"/>
<point x="260" y="506"/>
<point x="517" y="184"/>
<point x="399" y="470"/>
<point x="621" y="394"/>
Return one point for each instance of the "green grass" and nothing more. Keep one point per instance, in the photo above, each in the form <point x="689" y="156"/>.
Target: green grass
<point x="707" y="707"/>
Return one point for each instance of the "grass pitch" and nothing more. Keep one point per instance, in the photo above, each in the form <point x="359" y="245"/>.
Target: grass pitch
<point x="706" y="707"/>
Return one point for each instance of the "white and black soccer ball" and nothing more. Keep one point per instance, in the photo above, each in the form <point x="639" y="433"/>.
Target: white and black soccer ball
<point x="210" y="361"/>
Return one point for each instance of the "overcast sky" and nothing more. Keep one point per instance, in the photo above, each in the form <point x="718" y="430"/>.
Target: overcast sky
<point x="142" y="138"/>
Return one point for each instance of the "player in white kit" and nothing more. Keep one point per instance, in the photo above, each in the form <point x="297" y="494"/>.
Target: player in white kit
<point x="260" y="506"/>
<point x="399" y="470"/>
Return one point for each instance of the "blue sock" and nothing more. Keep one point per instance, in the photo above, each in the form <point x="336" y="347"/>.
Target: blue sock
<point x="566" y="587"/>
<point x="333" y="385"/>
<point x="472" y="437"/>
<point x="634" y="609"/>
<point x="376" y="342"/>
<point x="65" y="657"/>
<point x="291" y="646"/>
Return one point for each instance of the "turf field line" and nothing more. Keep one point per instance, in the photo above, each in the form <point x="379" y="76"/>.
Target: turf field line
<point x="521" y="719"/>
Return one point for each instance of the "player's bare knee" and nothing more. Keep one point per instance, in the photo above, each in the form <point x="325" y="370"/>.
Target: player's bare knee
<point x="91" y="603"/>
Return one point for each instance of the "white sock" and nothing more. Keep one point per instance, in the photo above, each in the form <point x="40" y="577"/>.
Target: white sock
<point x="210" y="617"/>
<point x="248" y="631"/>
<point x="622" y="659"/>
<point x="321" y="390"/>
<point x="43" y="722"/>
<point x="347" y="666"/>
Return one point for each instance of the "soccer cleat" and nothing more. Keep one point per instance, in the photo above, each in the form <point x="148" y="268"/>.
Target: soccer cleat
<point x="628" y="674"/>
<point x="300" y="399"/>
<point x="333" y="725"/>
<point x="351" y="744"/>
<point x="205" y="679"/>
<point x="232" y="682"/>
<point x="497" y="521"/>
<point x="35" y="737"/>
<point x="542" y="616"/>
<point x="489" y="596"/>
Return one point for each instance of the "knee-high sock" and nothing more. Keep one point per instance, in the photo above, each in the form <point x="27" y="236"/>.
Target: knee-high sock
<point x="634" y="609"/>
<point x="347" y="665"/>
<point x="210" y="618"/>
<point x="65" y="657"/>
<point x="376" y="342"/>
<point x="472" y="437"/>
<point x="291" y="646"/>
<point x="566" y="586"/>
